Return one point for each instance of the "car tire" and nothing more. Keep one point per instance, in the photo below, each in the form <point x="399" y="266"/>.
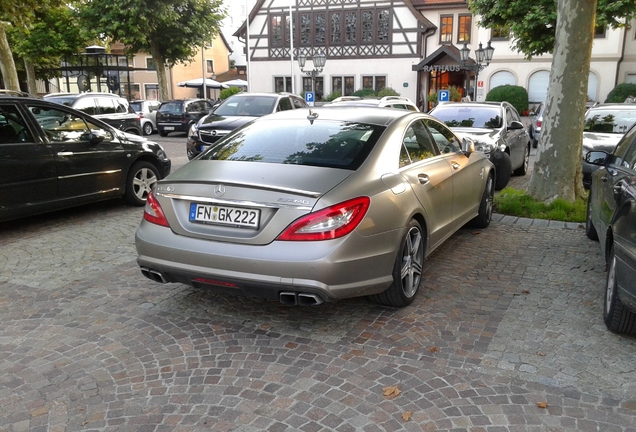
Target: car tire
<point x="590" y="230"/>
<point x="535" y="143"/>
<point x="162" y="133"/>
<point x="616" y="316"/>
<point x="523" y="169"/>
<point x="147" y="128"/>
<point x="407" y="270"/>
<point x="503" y="166"/>
<point x="483" y="218"/>
<point x="140" y="181"/>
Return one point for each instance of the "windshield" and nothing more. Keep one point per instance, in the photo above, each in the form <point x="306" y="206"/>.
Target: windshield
<point x="609" y="121"/>
<point x="254" y="106"/>
<point x="68" y="101"/>
<point x="472" y="117"/>
<point x="300" y="142"/>
<point x="136" y="106"/>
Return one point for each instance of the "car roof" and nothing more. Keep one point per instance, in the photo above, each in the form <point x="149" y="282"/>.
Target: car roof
<point x="477" y="104"/>
<point x="614" y="106"/>
<point x="367" y="115"/>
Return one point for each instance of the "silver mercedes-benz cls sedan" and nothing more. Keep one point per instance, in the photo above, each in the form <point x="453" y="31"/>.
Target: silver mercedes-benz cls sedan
<point x="315" y="205"/>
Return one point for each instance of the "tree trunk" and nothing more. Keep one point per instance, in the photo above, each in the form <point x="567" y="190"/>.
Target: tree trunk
<point x="30" y="73"/>
<point x="557" y="171"/>
<point x="160" y="67"/>
<point x="7" y="65"/>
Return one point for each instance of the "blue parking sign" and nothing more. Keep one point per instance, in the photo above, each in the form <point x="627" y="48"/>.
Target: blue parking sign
<point x="309" y="98"/>
<point x="443" y="96"/>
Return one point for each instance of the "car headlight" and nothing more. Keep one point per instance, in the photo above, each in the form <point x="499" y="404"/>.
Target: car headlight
<point x="484" y="147"/>
<point x="194" y="129"/>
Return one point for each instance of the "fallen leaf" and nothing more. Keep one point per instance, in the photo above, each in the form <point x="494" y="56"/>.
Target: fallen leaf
<point x="525" y="292"/>
<point x="542" y="404"/>
<point x="476" y="232"/>
<point x="391" y="392"/>
<point x="542" y="354"/>
<point x="433" y="349"/>
<point x="407" y="415"/>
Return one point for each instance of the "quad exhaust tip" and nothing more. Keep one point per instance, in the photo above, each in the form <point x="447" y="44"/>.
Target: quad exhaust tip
<point x="300" y="299"/>
<point x="153" y="275"/>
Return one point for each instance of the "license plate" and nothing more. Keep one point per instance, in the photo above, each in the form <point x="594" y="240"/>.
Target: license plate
<point x="168" y="128"/>
<point x="224" y="215"/>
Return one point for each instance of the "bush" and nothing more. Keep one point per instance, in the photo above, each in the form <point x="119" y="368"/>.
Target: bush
<point x="331" y="96"/>
<point x="387" y="91"/>
<point x="515" y="95"/>
<point x="226" y="93"/>
<point x="621" y="92"/>
<point x="455" y="95"/>
<point x="364" y="93"/>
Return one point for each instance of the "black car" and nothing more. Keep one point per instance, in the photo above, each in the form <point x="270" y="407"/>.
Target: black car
<point x="611" y="219"/>
<point x="179" y="114"/>
<point x="496" y="129"/>
<point x="234" y="112"/>
<point x="108" y="107"/>
<point x="54" y="157"/>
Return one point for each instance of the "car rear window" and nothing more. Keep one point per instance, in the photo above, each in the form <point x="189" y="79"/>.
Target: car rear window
<point x="136" y="106"/>
<point x="472" y="117"/>
<point x="609" y="121"/>
<point x="171" y="107"/>
<point x="319" y="143"/>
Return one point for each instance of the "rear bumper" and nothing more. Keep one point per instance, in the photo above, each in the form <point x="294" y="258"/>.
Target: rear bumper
<point x="327" y="269"/>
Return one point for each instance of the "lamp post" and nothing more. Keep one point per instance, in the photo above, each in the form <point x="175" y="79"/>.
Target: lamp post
<point x="483" y="57"/>
<point x="319" y="61"/>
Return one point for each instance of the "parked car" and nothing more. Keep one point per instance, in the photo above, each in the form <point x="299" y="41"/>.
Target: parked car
<point x="605" y="125"/>
<point x="534" y="130"/>
<point x="611" y="219"/>
<point x="54" y="157"/>
<point x="107" y="107"/>
<point x="306" y="206"/>
<point x="147" y="111"/>
<point x="180" y="114"/>
<point x="235" y="111"/>
<point x="496" y="129"/>
<point x="397" y="102"/>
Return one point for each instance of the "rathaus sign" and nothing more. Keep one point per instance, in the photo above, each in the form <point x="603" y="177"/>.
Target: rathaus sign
<point x="442" y="68"/>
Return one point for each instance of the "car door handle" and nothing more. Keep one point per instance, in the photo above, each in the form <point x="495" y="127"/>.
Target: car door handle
<point x="604" y="179"/>
<point x="423" y="179"/>
<point x="455" y="165"/>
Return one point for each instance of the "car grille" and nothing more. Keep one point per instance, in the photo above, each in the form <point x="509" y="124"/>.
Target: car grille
<point x="210" y="136"/>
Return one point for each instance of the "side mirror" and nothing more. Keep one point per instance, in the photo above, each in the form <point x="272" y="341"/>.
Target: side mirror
<point x="92" y="138"/>
<point x="599" y="158"/>
<point x="515" y="125"/>
<point x="468" y="146"/>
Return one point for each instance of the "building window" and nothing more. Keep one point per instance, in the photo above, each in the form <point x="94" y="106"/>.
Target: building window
<point x="276" y="30"/>
<point x="282" y="84"/>
<point x="335" y="28"/>
<point x="446" y="29"/>
<point x="209" y="66"/>
<point x="320" y="29"/>
<point x="305" y="29"/>
<point x="351" y="22"/>
<point x="375" y="83"/>
<point x="464" y="28"/>
<point x="150" y="64"/>
<point x="367" y="27"/>
<point x="152" y="91"/>
<point x="383" y="25"/>
<point x="500" y="33"/>
<point x="343" y="84"/>
<point x="599" y="32"/>
<point x="318" y="89"/>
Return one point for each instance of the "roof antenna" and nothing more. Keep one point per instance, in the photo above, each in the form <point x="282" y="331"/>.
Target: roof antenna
<point x="312" y="116"/>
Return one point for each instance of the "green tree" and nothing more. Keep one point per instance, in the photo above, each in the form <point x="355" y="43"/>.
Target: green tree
<point x="53" y="34"/>
<point x="16" y="14"/>
<point x="566" y="29"/>
<point x="172" y="31"/>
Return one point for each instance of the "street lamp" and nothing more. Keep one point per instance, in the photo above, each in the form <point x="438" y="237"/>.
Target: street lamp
<point x="483" y="57"/>
<point x="318" y="60"/>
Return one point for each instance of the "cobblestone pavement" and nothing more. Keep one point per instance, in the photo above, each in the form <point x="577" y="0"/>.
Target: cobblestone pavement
<point x="506" y="335"/>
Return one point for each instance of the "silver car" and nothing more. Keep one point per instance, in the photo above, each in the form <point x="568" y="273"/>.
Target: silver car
<point x="313" y="205"/>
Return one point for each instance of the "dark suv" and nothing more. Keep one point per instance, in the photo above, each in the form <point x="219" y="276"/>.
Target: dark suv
<point x="107" y="107"/>
<point x="178" y="115"/>
<point x="235" y="111"/>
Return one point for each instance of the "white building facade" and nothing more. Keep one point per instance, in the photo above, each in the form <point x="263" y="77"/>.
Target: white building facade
<point x="411" y="46"/>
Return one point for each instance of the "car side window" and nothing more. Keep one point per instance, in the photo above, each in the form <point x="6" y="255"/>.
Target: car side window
<point x="298" y="102"/>
<point x="445" y="139"/>
<point x="13" y="127"/>
<point x="86" y="105"/>
<point x="417" y="144"/>
<point x="626" y="151"/>
<point x="284" y="104"/>
<point x="64" y="126"/>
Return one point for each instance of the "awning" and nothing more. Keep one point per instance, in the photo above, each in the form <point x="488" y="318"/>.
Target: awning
<point x="198" y="82"/>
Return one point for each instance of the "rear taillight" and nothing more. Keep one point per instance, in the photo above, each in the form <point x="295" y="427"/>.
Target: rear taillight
<point x="153" y="212"/>
<point x="329" y="223"/>
<point x="539" y="123"/>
